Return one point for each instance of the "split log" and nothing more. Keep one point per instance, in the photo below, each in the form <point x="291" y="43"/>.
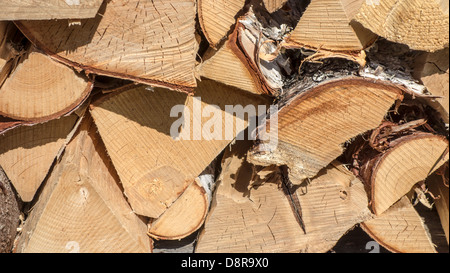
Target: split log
<point x="247" y="219"/>
<point x="254" y="210"/>
<point x="217" y="17"/>
<point x="81" y="208"/>
<point x="48" y="10"/>
<point x="11" y="49"/>
<point x="127" y="39"/>
<point x="433" y="71"/>
<point x="7" y="124"/>
<point x="157" y="156"/>
<point x="9" y="214"/>
<point x="180" y="220"/>
<point x="274" y="5"/>
<point x="315" y="122"/>
<point x="326" y="25"/>
<point x="391" y="174"/>
<point x="28" y="152"/>
<point x="255" y="44"/>
<point x="40" y="89"/>
<point x="422" y="25"/>
<point x="438" y="185"/>
<point x="327" y="221"/>
<point x="400" y="229"/>
<point x="225" y="67"/>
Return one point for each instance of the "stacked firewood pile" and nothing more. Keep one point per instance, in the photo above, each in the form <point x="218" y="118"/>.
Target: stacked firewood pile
<point x="244" y="126"/>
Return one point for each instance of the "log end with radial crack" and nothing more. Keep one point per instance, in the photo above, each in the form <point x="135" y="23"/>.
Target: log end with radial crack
<point x="257" y="209"/>
<point x="404" y="150"/>
<point x="422" y="25"/>
<point x="327" y="26"/>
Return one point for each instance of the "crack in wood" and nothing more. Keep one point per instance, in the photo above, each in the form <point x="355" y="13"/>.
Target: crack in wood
<point x="293" y="199"/>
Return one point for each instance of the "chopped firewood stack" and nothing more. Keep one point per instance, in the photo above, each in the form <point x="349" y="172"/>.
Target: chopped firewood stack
<point x="255" y="126"/>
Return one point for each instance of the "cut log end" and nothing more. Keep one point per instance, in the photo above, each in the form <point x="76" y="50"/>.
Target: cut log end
<point x="9" y="214"/>
<point x="28" y="152"/>
<point x="326" y="25"/>
<point x="400" y="229"/>
<point x="420" y="25"/>
<point x="349" y="107"/>
<point x="411" y="160"/>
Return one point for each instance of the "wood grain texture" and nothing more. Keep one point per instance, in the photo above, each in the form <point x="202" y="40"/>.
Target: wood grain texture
<point x="253" y="214"/>
<point x="184" y="217"/>
<point x="316" y="123"/>
<point x="82" y="208"/>
<point x="243" y="219"/>
<point x="152" y="42"/>
<point x="400" y="229"/>
<point x="217" y="17"/>
<point x="155" y="168"/>
<point x="433" y="72"/>
<point x="422" y="25"/>
<point x="225" y="67"/>
<point x="9" y="214"/>
<point x="10" y="51"/>
<point x="48" y="9"/>
<point x="326" y="25"/>
<point x="27" y="153"/>
<point x="274" y="5"/>
<point x="331" y="204"/>
<point x="40" y="89"/>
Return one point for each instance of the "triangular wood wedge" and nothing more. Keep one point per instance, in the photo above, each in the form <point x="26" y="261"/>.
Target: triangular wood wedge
<point x="160" y="143"/>
<point x="422" y="25"/>
<point x="41" y="89"/>
<point x="48" y="9"/>
<point x="315" y="123"/>
<point x="274" y="5"/>
<point x="400" y="229"/>
<point x="28" y="152"/>
<point x="326" y="25"/>
<point x="225" y="67"/>
<point x="151" y="42"/>
<point x="82" y="208"/>
<point x="410" y="159"/>
<point x="217" y="17"/>
<point x="253" y="214"/>
<point x="7" y="124"/>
